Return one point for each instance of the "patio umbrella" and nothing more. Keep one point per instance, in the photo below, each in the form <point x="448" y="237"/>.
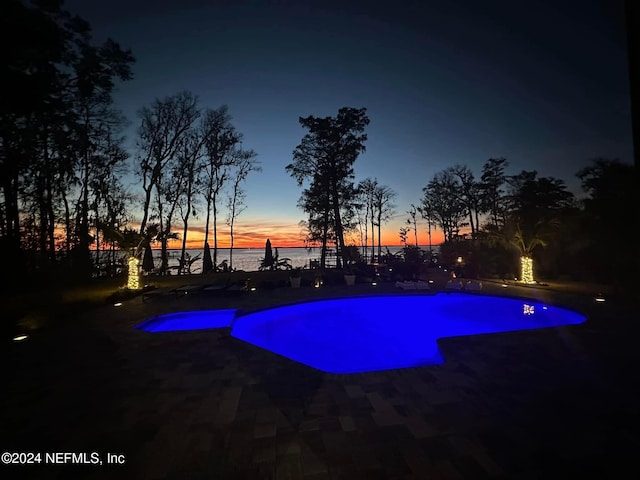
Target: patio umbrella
<point x="207" y="263"/>
<point x="267" y="263"/>
<point x="147" y="259"/>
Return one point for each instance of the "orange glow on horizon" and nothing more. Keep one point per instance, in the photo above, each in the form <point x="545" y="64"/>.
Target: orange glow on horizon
<point x="254" y="234"/>
<point x="286" y="237"/>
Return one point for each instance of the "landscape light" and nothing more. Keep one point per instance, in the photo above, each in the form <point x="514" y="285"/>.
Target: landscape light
<point x="600" y="298"/>
<point x="20" y="338"/>
<point x="119" y="304"/>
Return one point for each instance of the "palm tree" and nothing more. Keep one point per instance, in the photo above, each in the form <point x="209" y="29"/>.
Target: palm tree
<point x="135" y="243"/>
<point x="526" y="243"/>
<point x="525" y="247"/>
<point x="513" y="236"/>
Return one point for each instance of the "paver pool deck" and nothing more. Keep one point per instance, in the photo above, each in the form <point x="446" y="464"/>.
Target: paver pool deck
<point x="550" y="403"/>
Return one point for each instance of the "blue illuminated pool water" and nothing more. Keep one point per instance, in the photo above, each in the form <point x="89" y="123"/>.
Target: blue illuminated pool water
<point x="361" y="334"/>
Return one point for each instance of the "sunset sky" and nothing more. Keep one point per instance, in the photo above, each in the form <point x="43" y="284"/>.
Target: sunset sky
<point x="543" y="84"/>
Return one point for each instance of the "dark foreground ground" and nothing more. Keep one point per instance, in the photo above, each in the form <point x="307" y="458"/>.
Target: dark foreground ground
<point x="553" y="403"/>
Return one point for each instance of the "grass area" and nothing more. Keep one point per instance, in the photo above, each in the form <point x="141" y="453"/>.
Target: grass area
<point x="44" y="304"/>
<point x="36" y="307"/>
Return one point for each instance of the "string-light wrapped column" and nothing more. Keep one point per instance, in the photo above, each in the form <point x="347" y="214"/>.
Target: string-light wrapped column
<point x="526" y="270"/>
<point x="133" y="278"/>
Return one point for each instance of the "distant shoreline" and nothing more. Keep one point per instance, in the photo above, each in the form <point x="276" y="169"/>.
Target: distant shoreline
<point x="235" y="248"/>
<point x="250" y="258"/>
<point x="156" y="247"/>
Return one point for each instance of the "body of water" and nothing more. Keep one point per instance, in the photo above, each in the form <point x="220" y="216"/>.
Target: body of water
<point x="249" y="259"/>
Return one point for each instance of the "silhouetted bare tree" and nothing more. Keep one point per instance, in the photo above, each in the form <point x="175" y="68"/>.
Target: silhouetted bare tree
<point x="383" y="197"/>
<point x="443" y="204"/>
<point x="163" y="134"/>
<point x="413" y="221"/>
<point x="491" y="198"/>
<point x="164" y="126"/>
<point x="244" y="163"/>
<point x="220" y="147"/>
<point x="366" y="189"/>
<point x="469" y="194"/>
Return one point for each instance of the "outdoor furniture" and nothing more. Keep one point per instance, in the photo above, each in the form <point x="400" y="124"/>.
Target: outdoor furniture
<point x="473" y="286"/>
<point x="158" y="293"/>
<point x="411" y="285"/>
<point x="189" y="289"/>
<point x="216" y="287"/>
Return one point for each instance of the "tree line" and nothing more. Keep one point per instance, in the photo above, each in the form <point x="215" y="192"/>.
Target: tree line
<point x="528" y="215"/>
<point x="491" y="221"/>
<point x="185" y="154"/>
<point x="62" y="154"/>
<point x="62" y="160"/>
<point x="61" y="150"/>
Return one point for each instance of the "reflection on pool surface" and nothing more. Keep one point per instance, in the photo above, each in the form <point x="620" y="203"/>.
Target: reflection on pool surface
<point x="362" y="334"/>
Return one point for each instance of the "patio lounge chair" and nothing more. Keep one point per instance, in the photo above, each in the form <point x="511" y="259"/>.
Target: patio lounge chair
<point x="176" y="292"/>
<point x="473" y="286"/>
<point x="411" y="285"/>
<point x="189" y="289"/>
<point x="157" y="294"/>
<point x="216" y="287"/>
<point x="454" y="285"/>
<point x="183" y="290"/>
<point x="235" y="289"/>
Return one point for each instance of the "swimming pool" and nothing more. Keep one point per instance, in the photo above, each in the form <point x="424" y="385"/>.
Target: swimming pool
<point x="363" y="334"/>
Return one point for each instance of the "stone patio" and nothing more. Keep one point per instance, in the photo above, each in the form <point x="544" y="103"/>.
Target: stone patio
<point x="550" y="403"/>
